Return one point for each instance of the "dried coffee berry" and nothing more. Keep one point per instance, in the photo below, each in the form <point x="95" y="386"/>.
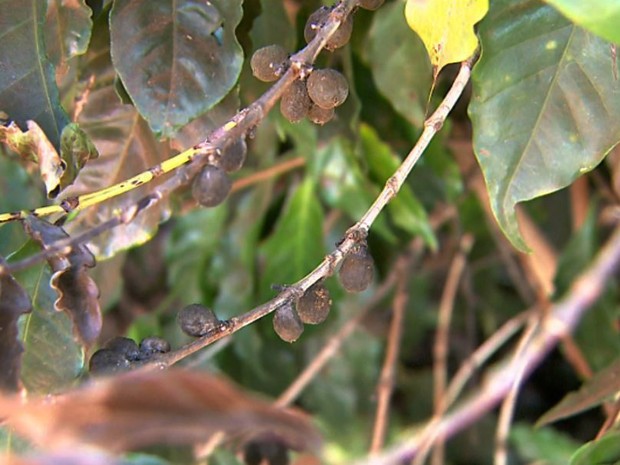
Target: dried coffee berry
<point x="327" y="88"/>
<point x="153" y="345"/>
<point x="356" y="271"/>
<point x="313" y="307"/>
<point x="371" y="4"/>
<point x="197" y="320"/>
<point x="319" y="115"/>
<point x="338" y="39"/>
<point x="124" y="346"/>
<point x="287" y="324"/>
<point x="267" y="62"/>
<point x="107" y="362"/>
<point x="295" y="102"/>
<point x="271" y="451"/>
<point x="211" y="186"/>
<point x="233" y="155"/>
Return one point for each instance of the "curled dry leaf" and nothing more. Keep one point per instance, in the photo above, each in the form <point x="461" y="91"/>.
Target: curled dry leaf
<point x="144" y="408"/>
<point x="14" y="302"/>
<point x="77" y="292"/>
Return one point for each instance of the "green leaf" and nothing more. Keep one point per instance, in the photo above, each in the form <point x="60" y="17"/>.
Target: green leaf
<point x="404" y="74"/>
<point x="344" y="186"/>
<point x="52" y="360"/>
<point x="296" y="245"/>
<point x="28" y="88"/>
<point x="542" y="445"/>
<point x="67" y="29"/>
<point x="603" y="451"/>
<point x="405" y="209"/>
<point x="176" y="59"/>
<point x="273" y="26"/>
<point x="193" y="241"/>
<point x="545" y="107"/>
<point x="602" y="386"/>
<point x="598" y="16"/>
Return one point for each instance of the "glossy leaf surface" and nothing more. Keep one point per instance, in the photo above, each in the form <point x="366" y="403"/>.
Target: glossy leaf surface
<point x="598" y="16"/>
<point x="545" y="107"/>
<point x="176" y="58"/>
<point x="27" y="85"/>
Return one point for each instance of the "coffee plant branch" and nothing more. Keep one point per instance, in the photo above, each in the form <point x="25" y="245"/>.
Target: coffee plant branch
<point x="209" y="150"/>
<point x="352" y="237"/>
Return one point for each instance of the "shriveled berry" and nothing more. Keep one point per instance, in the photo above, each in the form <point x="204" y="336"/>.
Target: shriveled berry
<point x="319" y="115"/>
<point x="211" y="186"/>
<point x="107" y="362"/>
<point x="197" y="320"/>
<point x="327" y="88"/>
<point x="356" y="271"/>
<point x="287" y="324"/>
<point x="153" y="345"/>
<point x="295" y="102"/>
<point x="267" y="62"/>
<point x="260" y="451"/>
<point x="339" y="38"/>
<point x="124" y="346"/>
<point x="371" y="4"/>
<point x="313" y="307"/>
<point x="233" y="155"/>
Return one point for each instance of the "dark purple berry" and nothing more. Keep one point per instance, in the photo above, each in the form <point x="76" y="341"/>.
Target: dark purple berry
<point x="357" y="271"/>
<point x="295" y="102"/>
<point x="319" y="115"/>
<point x="153" y="345"/>
<point x="107" y="362"/>
<point x="327" y="88"/>
<point x="371" y="4"/>
<point x="124" y="346"/>
<point x="313" y="307"/>
<point x="287" y="324"/>
<point x="338" y="39"/>
<point x="211" y="186"/>
<point x="197" y="320"/>
<point x="267" y="62"/>
<point x="233" y="155"/>
<point x="269" y="451"/>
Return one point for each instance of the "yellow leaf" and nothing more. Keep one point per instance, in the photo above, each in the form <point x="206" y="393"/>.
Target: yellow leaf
<point x="446" y="27"/>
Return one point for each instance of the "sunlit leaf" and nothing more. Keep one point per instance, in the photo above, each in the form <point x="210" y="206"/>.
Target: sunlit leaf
<point x="296" y="245"/>
<point x="176" y="59"/>
<point x="446" y="27"/>
<point x="27" y="84"/>
<point x="545" y="107"/>
<point x="67" y="29"/>
<point x="406" y="87"/>
<point x="14" y="302"/>
<point x="138" y="409"/>
<point x="34" y="146"/>
<point x="603" y="451"/>
<point x="598" y="16"/>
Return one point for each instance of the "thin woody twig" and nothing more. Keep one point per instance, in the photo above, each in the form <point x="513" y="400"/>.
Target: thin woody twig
<point x="561" y="319"/>
<point x="386" y="379"/>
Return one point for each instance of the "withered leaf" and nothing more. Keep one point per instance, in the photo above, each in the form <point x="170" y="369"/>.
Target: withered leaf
<point x="601" y="387"/>
<point x="143" y="408"/>
<point x="78" y="294"/>
<point x="14" y="302"/>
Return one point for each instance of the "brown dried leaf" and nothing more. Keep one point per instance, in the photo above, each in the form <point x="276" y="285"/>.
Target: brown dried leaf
<point x="144" y="408"/>
<point x="78" y="294"/>
<point x="593" y="392"/>
<point x="34" y="146"/>
<point x="14" y="302"/>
